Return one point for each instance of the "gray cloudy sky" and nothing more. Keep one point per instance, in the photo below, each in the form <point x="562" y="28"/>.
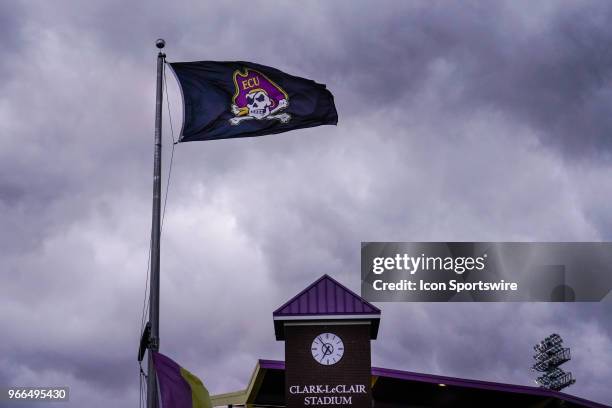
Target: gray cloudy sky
<point x="475" y="121"/>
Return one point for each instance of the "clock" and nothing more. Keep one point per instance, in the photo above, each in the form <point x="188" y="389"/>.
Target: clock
<point x="327" y="349"/>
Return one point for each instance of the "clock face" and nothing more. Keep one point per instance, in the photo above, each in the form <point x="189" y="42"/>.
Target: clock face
<point x="327" y="348"/>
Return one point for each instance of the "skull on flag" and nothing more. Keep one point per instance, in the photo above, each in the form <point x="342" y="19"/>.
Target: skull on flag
<point x="257" y="97"/>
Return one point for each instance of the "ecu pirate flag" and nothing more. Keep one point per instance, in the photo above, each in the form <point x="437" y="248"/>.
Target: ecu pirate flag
<point x="224" y="100"/>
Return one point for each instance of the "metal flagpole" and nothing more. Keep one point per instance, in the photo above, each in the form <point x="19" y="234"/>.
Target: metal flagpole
<point x="152" y="393"/>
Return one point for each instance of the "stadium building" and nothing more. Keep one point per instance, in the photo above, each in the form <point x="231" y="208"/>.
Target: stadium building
<point x="327" y="330"/>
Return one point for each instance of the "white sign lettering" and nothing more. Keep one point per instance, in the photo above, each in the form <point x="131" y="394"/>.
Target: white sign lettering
<point x="325" y="390"/>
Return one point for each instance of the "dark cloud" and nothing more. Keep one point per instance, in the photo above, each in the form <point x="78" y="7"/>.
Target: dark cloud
<point x="12" y="32"/>
<point x="457" y="122"/>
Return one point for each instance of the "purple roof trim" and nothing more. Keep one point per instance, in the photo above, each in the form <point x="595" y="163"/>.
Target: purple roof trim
<point x="459" y="382"/>
<point x="272" y="364"/>
<point x="326" y="296"/>
<point x="484" y="385"/>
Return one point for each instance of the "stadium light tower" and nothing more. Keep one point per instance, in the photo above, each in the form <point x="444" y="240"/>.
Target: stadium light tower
<point x="550" y="354"/>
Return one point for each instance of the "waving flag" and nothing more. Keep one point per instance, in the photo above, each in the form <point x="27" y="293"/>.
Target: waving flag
<point x="240" y="99"/>
<point x="178" y="387"/>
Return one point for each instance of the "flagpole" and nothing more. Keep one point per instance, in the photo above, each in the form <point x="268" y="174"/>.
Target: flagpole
<point x="152" y="397"/>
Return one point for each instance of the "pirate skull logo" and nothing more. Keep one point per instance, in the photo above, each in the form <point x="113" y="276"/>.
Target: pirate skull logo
<point x="257" y="97"/>
<point x="258" y="103"/>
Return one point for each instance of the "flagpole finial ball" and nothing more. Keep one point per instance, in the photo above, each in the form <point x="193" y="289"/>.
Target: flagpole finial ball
<point x="160" y="43"/>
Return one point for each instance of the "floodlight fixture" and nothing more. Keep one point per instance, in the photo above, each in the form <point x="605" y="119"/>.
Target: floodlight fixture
<point x="550" y="354"/>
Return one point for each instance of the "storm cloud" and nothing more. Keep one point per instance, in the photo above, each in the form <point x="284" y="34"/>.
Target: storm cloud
<point x="468" y="121"/>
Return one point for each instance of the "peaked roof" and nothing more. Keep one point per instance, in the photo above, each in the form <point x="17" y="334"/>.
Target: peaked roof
<point x="326" y="298"/>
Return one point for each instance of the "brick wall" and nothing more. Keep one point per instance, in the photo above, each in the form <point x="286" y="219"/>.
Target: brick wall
<point x="354" y="368"/>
